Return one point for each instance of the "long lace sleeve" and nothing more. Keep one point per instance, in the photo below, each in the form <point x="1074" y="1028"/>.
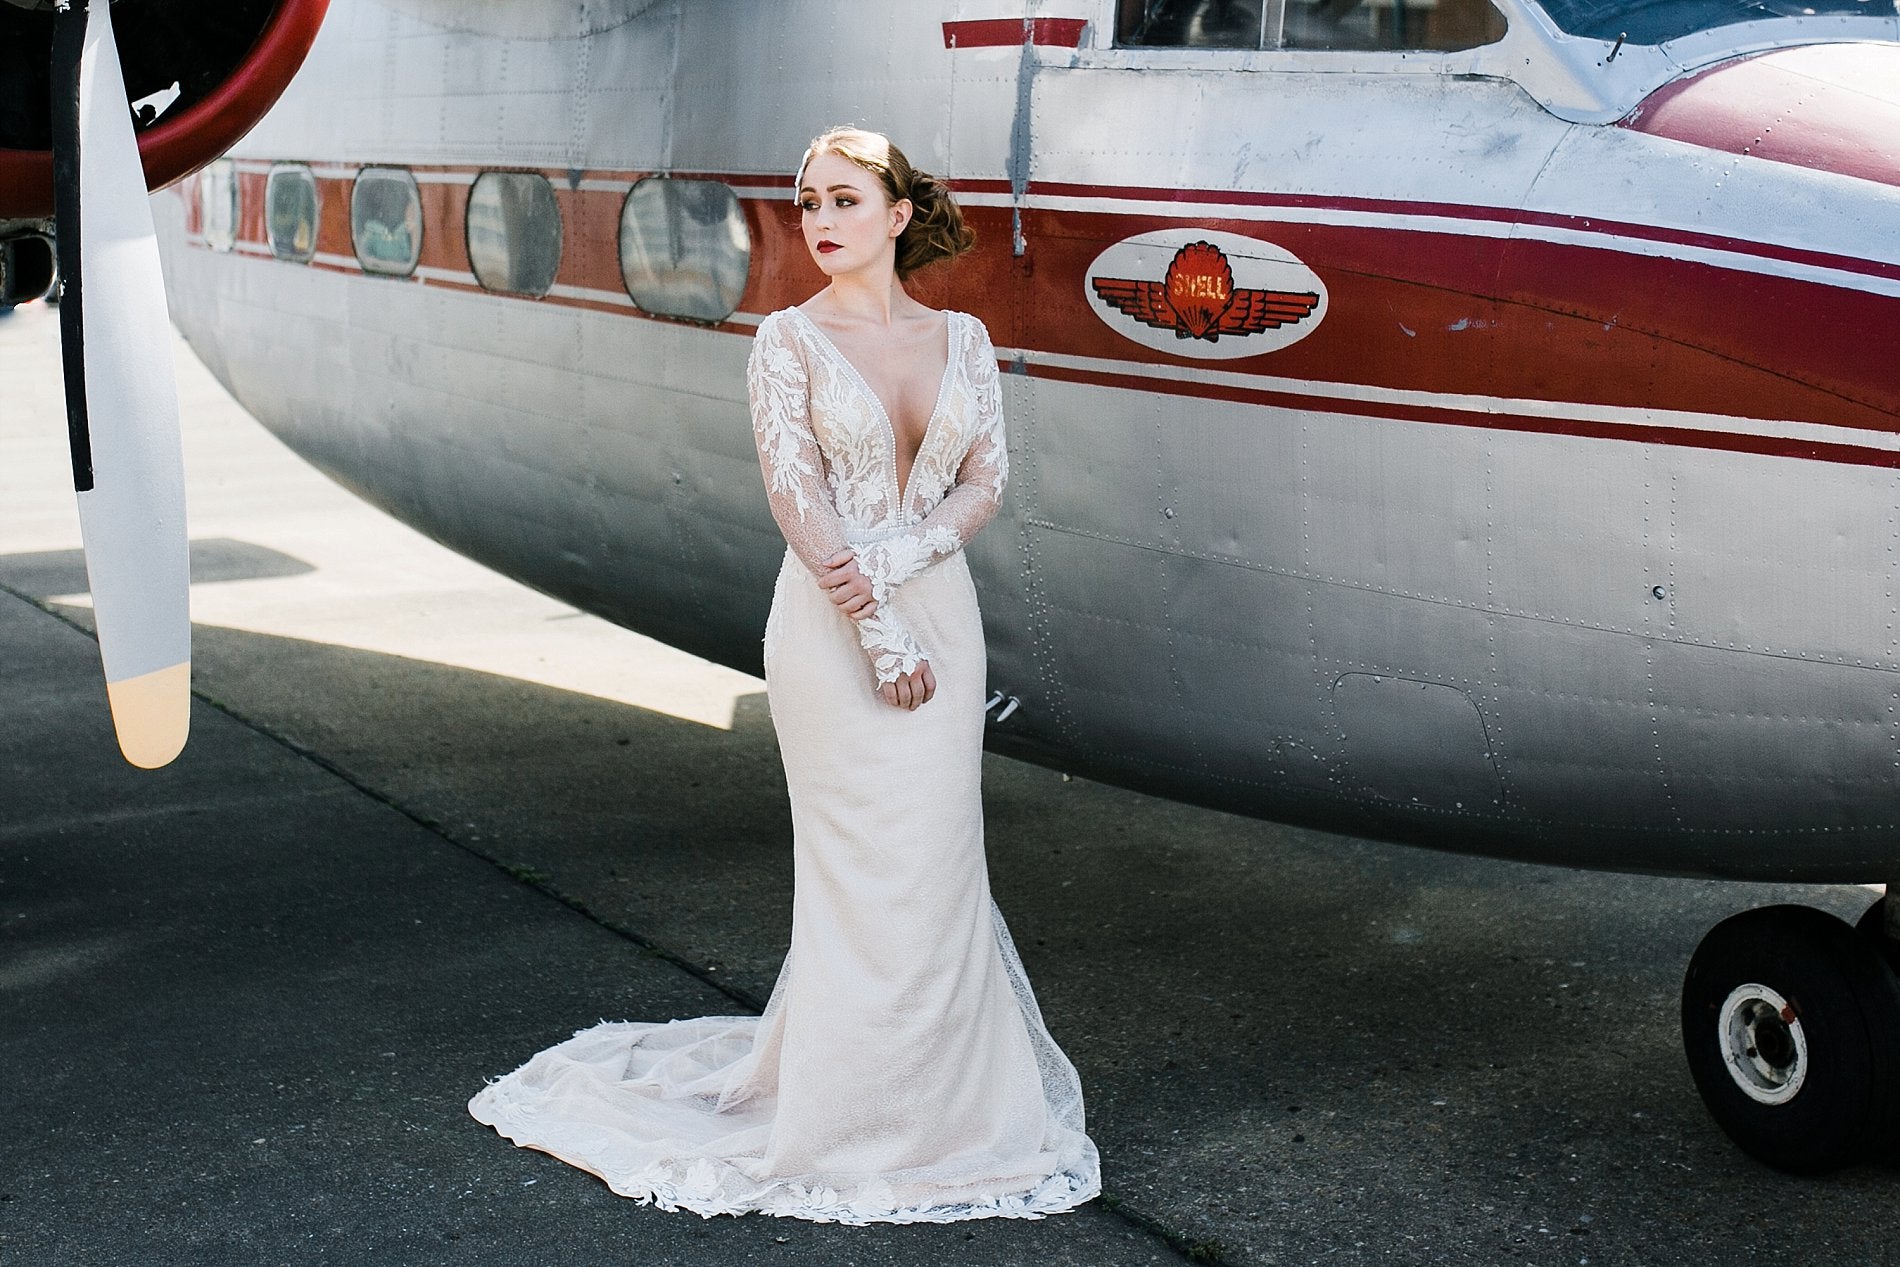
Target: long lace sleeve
<point x="971" y="502"/>
<point x="778" y="385"/>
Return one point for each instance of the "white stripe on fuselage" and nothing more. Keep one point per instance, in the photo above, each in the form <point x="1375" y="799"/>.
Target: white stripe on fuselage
<point x="1478" y="224"/>
<point x="1811" y="432"/>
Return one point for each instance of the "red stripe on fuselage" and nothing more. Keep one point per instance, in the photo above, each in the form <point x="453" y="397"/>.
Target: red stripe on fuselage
<point x="1446" y="312"/>
<point x="1412" y="310"/>
<point x="1011" y="32"/>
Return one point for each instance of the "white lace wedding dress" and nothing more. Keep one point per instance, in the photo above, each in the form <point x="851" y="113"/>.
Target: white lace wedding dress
<point x="901" y="1071"/>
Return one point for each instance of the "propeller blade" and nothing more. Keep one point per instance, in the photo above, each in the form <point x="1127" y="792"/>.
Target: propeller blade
<point x="121" y="394"/>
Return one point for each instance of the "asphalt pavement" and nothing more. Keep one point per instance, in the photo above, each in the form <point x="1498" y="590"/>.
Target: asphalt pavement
<point x="429" y="823"/>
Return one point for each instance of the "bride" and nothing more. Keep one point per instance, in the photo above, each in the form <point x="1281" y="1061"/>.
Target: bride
<point x="901" y="1072"/>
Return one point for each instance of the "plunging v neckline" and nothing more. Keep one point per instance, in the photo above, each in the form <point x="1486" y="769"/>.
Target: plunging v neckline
<point x="890" y="430"/>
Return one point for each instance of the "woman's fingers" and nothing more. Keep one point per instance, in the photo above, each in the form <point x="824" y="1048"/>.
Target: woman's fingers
<point x="841" y="558"/>
<point x="848" y="588"/>
<point x="910" y="691"/>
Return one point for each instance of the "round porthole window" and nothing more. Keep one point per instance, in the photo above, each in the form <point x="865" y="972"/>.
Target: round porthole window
<point x="386" y="221"/>
<point x="291" y="208"/>
<point x="684" y="248"/>
<point x="514" y="233"/>
<point x="218" y="204"/>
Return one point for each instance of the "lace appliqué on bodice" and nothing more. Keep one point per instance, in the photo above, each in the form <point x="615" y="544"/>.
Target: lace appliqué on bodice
<point x="829" y="455"/>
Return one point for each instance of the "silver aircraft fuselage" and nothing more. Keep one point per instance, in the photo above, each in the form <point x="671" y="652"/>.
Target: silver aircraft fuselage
<point x="1534" y="494"/>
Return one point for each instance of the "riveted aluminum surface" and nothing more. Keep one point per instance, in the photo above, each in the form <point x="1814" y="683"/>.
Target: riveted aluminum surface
<point x="1193" y="552"/>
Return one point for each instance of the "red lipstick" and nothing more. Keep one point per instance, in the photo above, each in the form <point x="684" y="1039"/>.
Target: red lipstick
<point x="827" y="246"/>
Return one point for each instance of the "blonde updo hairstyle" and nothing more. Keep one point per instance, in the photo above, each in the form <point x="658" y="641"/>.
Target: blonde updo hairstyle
<point x="936" y="230"/>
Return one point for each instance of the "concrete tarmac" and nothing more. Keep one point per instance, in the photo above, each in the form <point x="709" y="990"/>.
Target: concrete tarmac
<point x="430" y="822"/>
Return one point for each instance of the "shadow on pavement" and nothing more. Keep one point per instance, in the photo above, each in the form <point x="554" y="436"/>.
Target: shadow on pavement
<point x="246" y="1001"/>
<point x="52" y="573"/>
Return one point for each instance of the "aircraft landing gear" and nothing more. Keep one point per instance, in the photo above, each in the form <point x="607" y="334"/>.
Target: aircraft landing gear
<point x="1791" y="1022"/>
<point x="1878" y="926"/>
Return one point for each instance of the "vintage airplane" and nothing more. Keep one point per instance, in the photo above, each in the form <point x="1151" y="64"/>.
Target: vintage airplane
<point x="1464" y="422"/>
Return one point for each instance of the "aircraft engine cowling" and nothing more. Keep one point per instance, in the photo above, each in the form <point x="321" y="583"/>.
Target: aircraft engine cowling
<point x="200" y="75"/>
<point x="1819" y="119"/>
<point x="1829" y="107"/>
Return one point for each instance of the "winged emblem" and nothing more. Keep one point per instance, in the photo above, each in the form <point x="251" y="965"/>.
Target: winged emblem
<point x="1197" y="298"/>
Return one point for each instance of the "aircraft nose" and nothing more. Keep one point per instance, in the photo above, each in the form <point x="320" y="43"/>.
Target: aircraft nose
<point x="1830" y="107"/>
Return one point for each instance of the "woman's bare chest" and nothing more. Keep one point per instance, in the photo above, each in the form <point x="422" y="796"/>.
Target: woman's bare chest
<point x="905" y="375"/>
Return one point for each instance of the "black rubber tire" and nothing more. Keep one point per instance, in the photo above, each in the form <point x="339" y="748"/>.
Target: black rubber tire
<point x="1847" y="1000"/>
<point x="1873" y="927"/>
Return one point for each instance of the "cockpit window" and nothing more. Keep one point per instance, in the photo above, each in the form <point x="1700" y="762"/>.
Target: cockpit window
<point x="1655" y="21"/>
<point x="1196" y="24"/>
<point x="1439" y="26"/>
<point x="1430" y="25"/>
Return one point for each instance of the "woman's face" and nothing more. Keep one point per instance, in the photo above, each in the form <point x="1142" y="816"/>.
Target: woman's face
<point x="849" y="221"/>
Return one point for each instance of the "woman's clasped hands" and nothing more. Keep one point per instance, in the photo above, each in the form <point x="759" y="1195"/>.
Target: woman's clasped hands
<point x="846" y="586"/>
<point x="850" y="590"/>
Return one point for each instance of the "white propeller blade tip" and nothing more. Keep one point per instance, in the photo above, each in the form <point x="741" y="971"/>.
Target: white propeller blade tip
<point x="152" y="714"/>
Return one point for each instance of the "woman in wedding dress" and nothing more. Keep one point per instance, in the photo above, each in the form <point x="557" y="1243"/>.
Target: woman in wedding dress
<point x="901" y="1071"/>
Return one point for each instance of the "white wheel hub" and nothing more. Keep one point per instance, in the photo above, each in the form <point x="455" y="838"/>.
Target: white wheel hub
<point x="1763" y="1044"/>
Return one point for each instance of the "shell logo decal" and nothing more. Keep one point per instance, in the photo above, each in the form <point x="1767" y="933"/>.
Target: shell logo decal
<point x="1205" y="295"/>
